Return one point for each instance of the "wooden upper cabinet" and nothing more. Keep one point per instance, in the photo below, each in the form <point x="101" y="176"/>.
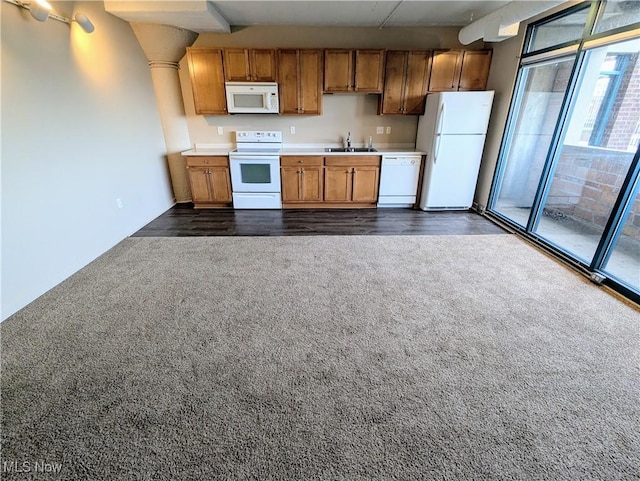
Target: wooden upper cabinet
<point x="338" y="70"/>
<point x="300" y="81"/>
<point x="311" y="64"/>
<point x="418" y="70"/>
<point x="405" y="83"/>
<point x="459" y="70"/>
<point x="249" y="65"/>
<point x="445" y="70"/>
<point x="207" y="80"/>
<point x="353" y="70"/>
<point x="289" y="81"/>
<point x="395" y="74"/>
<point x="369" y="70"/>
<point x="475" y="70"/>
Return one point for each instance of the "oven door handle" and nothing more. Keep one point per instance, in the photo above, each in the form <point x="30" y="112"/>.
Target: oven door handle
<point x="255" y="158"/>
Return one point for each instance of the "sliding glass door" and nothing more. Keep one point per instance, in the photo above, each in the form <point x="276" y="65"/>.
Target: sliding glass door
<point x="622" y="261"/>
<point x="544" y="87"/>
<point x="599" y="143"/>
<point x="568" y="170"/>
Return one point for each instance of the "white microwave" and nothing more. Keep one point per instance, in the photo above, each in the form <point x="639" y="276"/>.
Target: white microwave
<point x="252" y="97"/>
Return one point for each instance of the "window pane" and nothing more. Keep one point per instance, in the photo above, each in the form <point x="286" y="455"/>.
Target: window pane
<point x="598" y="148"/>
<point x="537" y="116"/>
<point x="618" y="14"/>
<point x="624" y="262"/>
<point x="558" y="31"/>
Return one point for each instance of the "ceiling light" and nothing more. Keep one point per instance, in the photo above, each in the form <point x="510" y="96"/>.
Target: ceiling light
<point x="39" y="10"/>
<point x="84" y="22"/>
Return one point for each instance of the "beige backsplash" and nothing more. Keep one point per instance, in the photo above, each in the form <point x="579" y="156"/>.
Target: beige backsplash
<point x="355" y="113"/>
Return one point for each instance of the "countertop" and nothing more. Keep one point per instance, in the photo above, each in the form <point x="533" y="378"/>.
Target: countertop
<point x="293" y="150"/>
<point x="300" y="149"/>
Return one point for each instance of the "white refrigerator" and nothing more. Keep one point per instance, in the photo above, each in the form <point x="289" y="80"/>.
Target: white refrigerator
<point x="452" y="133"/>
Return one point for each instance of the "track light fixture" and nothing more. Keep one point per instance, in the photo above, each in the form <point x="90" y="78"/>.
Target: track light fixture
<point x="41" y="10"/>
<point x="84" y="22"/>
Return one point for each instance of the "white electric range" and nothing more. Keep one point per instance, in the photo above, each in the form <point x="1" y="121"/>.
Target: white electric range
<point x="255" y="170"/>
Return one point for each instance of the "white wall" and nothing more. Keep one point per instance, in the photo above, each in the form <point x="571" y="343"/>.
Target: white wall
<point x="80" y="128"/>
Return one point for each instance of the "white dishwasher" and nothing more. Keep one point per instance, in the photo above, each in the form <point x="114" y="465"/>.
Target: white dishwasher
<point x="399" y="176"/>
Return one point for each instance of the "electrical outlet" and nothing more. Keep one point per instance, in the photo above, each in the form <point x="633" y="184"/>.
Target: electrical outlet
<point x="293" y="129"/>
<point x="119" y="203"/>
<point x="388" y="129"/>
<point x="220" y="131"/>
<point x="379" y="130"/>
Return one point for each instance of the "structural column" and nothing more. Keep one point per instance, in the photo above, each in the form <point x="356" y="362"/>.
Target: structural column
<point x="164" y="46"/>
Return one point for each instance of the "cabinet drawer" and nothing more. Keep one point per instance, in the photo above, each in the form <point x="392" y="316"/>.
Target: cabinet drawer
<point x="207" y="161"/>
<point x="353" y="160"/>
<point x="292" y="160"/>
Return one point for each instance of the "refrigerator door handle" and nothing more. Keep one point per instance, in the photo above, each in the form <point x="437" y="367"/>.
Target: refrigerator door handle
<point x="439" y="131"/>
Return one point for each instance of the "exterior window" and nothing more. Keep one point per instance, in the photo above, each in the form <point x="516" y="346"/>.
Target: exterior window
<point x="601" y="107"/>
<point x="618" y="14"/>
<point x="558" y="30"/>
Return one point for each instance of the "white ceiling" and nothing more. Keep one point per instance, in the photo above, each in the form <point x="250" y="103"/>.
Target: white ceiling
<point x="218" y="16"/>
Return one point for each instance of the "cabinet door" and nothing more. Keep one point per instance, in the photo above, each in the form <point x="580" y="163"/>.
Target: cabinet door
<point x="236" y="65"/>
<point x="207" y="80"/>
<point x="338" y="70"/>
<point x="417" y="78"/>
<point x="311" y="81"/>
<point x="290" y="178"/>
<point x="337" y="183"/>
<point x="445" y="70"/>
<point x="365" y="184"/>
<point x="288" y="81"/>
<point x="199" y="182"/>
<point x="475" y="69"/>
<point x="263" y="65"/>
<point x="220" y="182"/>
<point x="394" y="79"/>
<point x="311" y="183"/>
<point x="369" y="67"/>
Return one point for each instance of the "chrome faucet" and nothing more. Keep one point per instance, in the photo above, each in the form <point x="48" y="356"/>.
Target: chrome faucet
<point x="349" y="141"/>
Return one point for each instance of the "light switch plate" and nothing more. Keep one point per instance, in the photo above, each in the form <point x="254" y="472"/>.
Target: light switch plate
<point x="293" y="129"/>
<point x="220" y="131"/>
<point x="389" y="129"/>
<point x="379" y="130"/>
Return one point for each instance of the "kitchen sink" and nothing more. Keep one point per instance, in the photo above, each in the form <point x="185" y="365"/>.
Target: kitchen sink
<point x="349" y="149"/>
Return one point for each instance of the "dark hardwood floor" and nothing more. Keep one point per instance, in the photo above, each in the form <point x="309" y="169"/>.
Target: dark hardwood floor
<point x="183" y="220"/>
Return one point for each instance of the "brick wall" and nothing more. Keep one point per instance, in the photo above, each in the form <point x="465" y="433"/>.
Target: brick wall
<point x="586" y="184"/>
<point x="625" y="109"/>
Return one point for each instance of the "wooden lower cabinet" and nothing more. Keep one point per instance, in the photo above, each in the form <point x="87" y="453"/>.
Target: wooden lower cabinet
<point x="210" y="181"/>
<point x="302" y="179"/>
<point x="352" y="179"/>
<point x="330" y="182"/>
